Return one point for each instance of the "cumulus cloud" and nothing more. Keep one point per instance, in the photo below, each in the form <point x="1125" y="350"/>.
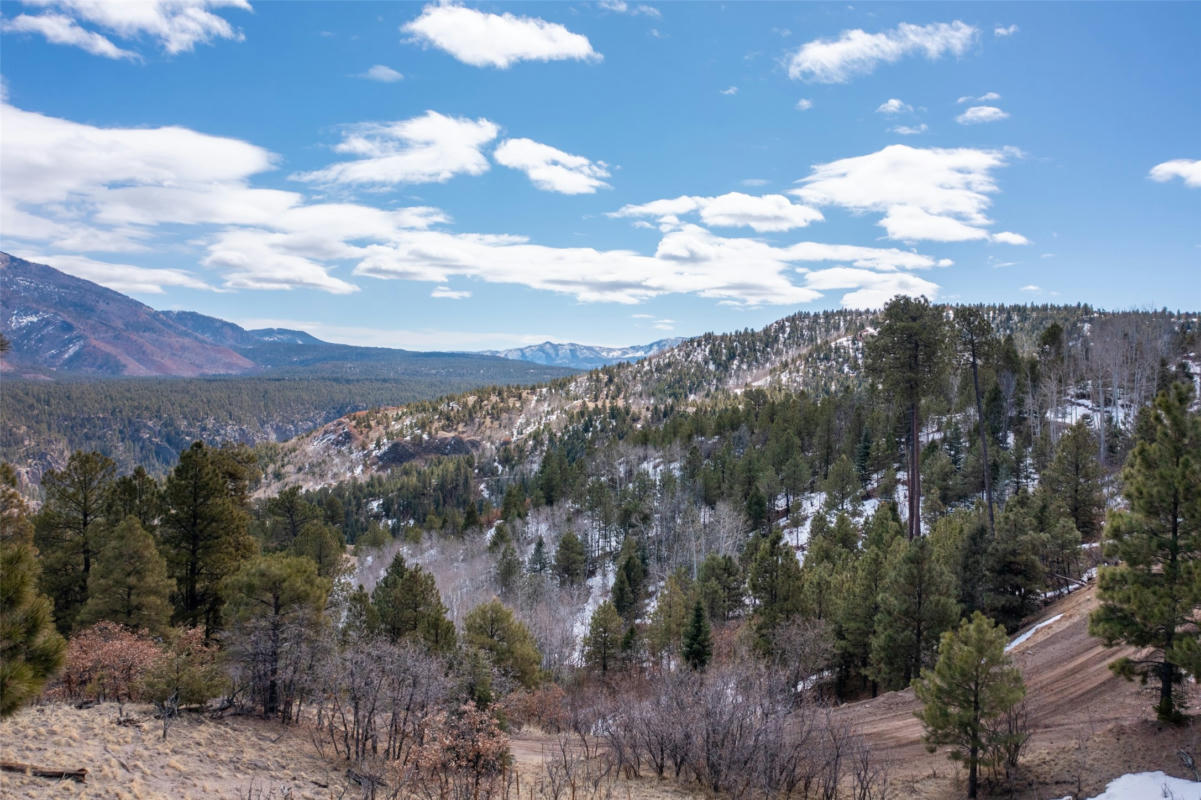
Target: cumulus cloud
<point x="1009" y="237"/>
<point x="910" y="130"/>
<point x="1007" y="30"/>
<point x="894" y="106"/>
<point x="383" y="74"/>
<point x="977" y="115"/>
<point x="432" y="148"/>
<point x="804" y="104"/>
<point x="61" y="29"/>
<point x="871" y="289"/>
<point x="496" y="40"/>
<point x="551" y="169"/>
<point x="933" y="193"/>
<point x="772" y="212"/>
<point x="177" y="25"/>
<point x="857" y="52"/>
<point x="1187" y="170"/>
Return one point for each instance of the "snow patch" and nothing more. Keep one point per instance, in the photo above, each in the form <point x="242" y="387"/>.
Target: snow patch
<point x="1148" y="785"/>
<point x="1018" y="641"/>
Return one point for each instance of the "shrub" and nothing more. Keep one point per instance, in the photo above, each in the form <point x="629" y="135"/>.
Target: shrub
<point x="107" y="662"/>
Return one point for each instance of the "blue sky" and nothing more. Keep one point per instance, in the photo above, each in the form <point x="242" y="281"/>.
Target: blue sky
<point x="463" y="176"/>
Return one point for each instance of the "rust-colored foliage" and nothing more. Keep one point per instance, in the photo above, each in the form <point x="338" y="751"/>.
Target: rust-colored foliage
<point x="106" y="662"/>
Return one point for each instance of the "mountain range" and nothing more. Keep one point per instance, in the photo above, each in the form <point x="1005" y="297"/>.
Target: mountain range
<point x="58" y="324"/>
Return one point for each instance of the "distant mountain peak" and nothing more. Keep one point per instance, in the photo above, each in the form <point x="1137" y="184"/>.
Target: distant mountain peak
<point x="582" y="356"/>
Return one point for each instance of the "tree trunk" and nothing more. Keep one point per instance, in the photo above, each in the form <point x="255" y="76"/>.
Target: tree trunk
<point x="983" y="442"/>
<point x="915" y="474"/>
<point x="972" y="767"/>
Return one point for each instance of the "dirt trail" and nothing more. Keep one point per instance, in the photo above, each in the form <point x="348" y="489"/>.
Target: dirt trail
<point x="1078" y="711"/>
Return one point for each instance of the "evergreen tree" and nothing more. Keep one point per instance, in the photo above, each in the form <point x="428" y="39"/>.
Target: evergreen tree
<point x="275" y="604"/>
<point x="776" y="586"/>
<point x="666" y="632"/>
<point x="571" y="560"/>
<point x="408" y="605"/>
<point x="538" y="562"/>
<point x="204" y="533"/>
<point x="916" y="605"/>
<point x="842" y="486"/>
<point x="1014" y="575"/>
<point x="909" y="356"/>
<point x="722" y="587"/>
<point x="972" y="685"/>
<point x="1149" y="600"/>
<point x="857" y="614"/>
<point x="31" y="650"/>
<point x="70" y="529"/>
<point x="976" y="343"/>
<point x="698" y="644"/>
<point x="138" y="495"/>
<point x="492" y="628"/>
<point x="289" y="512"/>
<point x="1074" y="479"/>
<point x="321" y="542"/>
<point x="129" y="583"/>
<point x="605" y="631"/>
<point x="508" y="571"/>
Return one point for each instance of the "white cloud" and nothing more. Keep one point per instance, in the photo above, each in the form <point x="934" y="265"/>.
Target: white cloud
<point x="551" y="169"/>
<point x="981" y="114"/>
<point x="622" y="7"/>
<point x="1009" y="237"/>
<point x="894" y="106"/>
<point x="730" y="90"/>
<point x="933" y="193"/>
<point x="447" y="293"/>
<point x="177" y="25"/>
<point x="987" y="97"/>
<point x="1031" y="288"/>
<point x="383" y="74"/>
<point x="432" y="148"/>
<point x="664" y="324"/>
<point x="772" y="212"/>
<point x="496" y="40"/>
<point x="754" y="182"/>
<point x="61" y="29"/>
<point x="872" y="289"/>
<point x="119" y="277"/>
<point x="804" y="104"/>
<point x="910" y="130"/>
<point x="1183" y="168"/>
<point x="857" y="52"/>
<point x="1008" y="30"/>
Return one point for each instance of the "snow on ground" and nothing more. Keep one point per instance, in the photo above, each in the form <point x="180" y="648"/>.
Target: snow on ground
<point x="1150" y="786"/>
<point x="599" y="586"/>
<point x="1016" y="642"/>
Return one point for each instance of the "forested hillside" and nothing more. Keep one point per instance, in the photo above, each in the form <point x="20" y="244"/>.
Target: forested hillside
<point x="838" y="506"/>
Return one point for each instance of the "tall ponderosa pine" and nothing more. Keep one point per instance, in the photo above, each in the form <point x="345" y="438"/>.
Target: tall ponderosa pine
<point x="129" y="583"/>
<point x="70" y="529"/>
<point x="972" y="685"/>
<point x="204" y="532"/>
<point x="571" y="560"/>
<point x="776" y="585"/>
<point x="1150" y="599"/>
<point x="909" y="357"/>
<point x="975" y="344"/>
<point x="408" y="606"/>
<point x="31" y="650"/>
<point x="603" y="645"/>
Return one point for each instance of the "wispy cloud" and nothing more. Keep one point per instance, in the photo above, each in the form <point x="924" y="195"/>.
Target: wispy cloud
<point x="496" y="40"/>
<point x="553" y="170"/>
<point x="857" y="52"/>
<point x="804" y="104"/>
<point x="910" y="130"/>
<point x="61" y="29"/>
<point x="622" y="7"/>
<point x="447" y="293"/>
<point x="772" y="212"/>
<point x="382" y="73"/>
<point x="730" y="90"/>
<point x="978" y="115"/>
<point x="1007" y="30"/>
<point x="894" y="106"/>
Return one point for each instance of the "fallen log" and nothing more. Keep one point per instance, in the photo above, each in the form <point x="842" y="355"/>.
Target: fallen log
<point x="77" y="775"/>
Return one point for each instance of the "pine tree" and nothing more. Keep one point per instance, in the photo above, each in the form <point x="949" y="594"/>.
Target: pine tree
<point x="492" y="628"/>
<point x="1013" y="573"/>
<point x="408" y="605"/>
<point x="842" y="485"/>
<point x="321" y="542"/>
<point x="916" y="605"/>
<point x="70" y="530"/>
<point x="605" y="631"/>
<point x="204" y="533"/>
<point x="508" y="571"/>
<point x="289" y="512"/>
<point x="1149" y="600"/>
<point x="975" y="344"/>
<point x="776" y="585"/>
<point x="697" y="649"/>
<point x="571" y="560"/>
<point x="1074" y="479"/>
<point x="722" y="586"/>
<point x="909" y="357"/>
<point x="129" y="583"/>
<point x="138" y="495"/>
<point x="275" y="604"/>
<point x="666" y="632"/>
<point x="972" y="685"/>
<point x="538" y="562"/>
<point x="31" y="650"/>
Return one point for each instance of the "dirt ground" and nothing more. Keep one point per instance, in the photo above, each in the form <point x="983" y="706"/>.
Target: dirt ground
<point x="1089" y="725"/>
